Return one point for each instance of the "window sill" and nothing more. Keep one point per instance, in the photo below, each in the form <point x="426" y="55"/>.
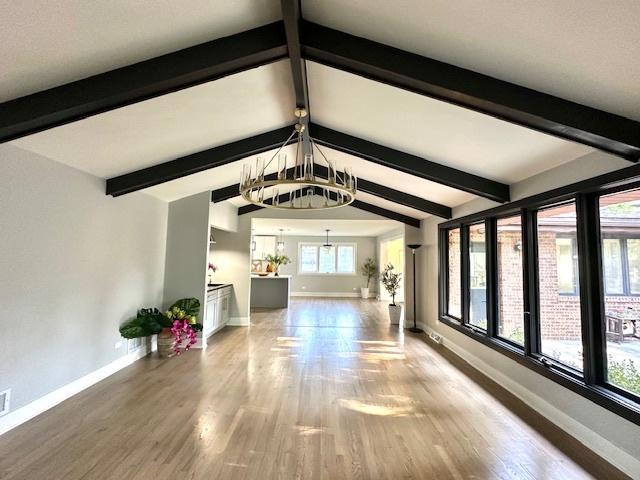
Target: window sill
<point x="608" y="399"/>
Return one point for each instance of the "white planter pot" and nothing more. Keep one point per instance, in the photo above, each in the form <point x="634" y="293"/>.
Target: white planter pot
<point x="395" y="312"/>
<point x="364" y="292"/>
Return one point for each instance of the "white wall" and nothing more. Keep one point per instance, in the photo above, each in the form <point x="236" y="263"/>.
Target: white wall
<point x="611" y="436"/>
<point x="74" y="265"/>
<point x="231" y="252"/>
<point x="224" y="216"/>
<point x="338" y="284"/>
<point x="187" y="249"/>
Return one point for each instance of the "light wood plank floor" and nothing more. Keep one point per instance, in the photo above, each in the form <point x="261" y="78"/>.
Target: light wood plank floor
<point x="326" y="389"/>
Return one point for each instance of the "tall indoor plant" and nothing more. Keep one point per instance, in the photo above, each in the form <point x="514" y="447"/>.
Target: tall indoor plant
<point x="369" y="270"/>
<point x="277" y="260"/>
<point x="391" y="282"/>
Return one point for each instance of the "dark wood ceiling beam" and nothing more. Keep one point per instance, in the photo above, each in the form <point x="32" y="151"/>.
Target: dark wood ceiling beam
<point x="197" y="162"/>
<point x="504" y="100"/>
<point x="390" y="194"/>
<point x="141" y="81"/>
<point x="411" y="164"/>
<point x="291" y="15"/>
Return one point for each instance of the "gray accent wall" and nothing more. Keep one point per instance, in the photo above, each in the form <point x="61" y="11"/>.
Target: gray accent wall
<point x="340" y="284"/>
<point x="74" y="265"/>
<point x="187" y="249"/>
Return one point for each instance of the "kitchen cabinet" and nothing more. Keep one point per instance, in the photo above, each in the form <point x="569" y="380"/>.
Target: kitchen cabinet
<point x="216" y="310"/>
<point x="265" y="245"/>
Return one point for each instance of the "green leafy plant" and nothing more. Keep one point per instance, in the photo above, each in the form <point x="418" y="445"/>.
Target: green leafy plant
<point x="624" y="374"/>
<point x="391" y="282"/>
<point x="148" y="321"/>
<point x="151" y="321"/>
<point x="277" y="260"/>
<point x="369" y="270"/>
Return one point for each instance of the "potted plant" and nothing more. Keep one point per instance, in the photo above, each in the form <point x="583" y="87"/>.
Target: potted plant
<point x="391" y="283"/>
<point x="369" y="270"/>
<point x="176" y="328"/>
<point x="277" y="260"/>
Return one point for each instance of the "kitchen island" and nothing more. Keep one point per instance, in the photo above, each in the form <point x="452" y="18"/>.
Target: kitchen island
<point x="270" y="291"/>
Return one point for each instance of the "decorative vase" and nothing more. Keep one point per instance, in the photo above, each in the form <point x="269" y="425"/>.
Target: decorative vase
<point x="269" y="268"/>
<point x="276" y="273"/>
<point x="395" y="312"/>
<point x="364" y="292"/>
<point x="166" y="343"/>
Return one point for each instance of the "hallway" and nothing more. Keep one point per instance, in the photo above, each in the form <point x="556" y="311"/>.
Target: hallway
<point x="326" y="389"/>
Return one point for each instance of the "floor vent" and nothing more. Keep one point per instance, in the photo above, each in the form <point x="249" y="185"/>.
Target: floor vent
<point x="4" y="402"/>
<point x="435" y="337"/>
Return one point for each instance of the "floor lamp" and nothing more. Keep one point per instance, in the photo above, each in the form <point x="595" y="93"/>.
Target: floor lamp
<point x="414" y="247"/>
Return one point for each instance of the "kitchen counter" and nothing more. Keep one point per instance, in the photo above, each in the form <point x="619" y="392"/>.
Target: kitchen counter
<point x="270" y="291"/>
<point x="215" y="286"/>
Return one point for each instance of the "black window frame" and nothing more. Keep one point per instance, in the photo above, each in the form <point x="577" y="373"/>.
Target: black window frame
<point x="495" y="308"/>
<point x="591" y="382"/>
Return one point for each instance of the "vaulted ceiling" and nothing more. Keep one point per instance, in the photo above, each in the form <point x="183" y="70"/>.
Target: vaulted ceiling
<point x="582" y="52"/>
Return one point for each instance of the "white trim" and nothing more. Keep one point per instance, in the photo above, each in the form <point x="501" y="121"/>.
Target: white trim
<point x="238" y="321"/>
<point x="592" y="440"/>
<point x="51" y="399"/>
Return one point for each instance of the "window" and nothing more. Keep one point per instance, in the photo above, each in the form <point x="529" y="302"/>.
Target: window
<point x="338" y="259"/>
<point x="308" y="262"/>
<point x="621" y="262"/>
<point x="510" y="285"/>
<point x="620" y="232"/>
<point x="567" y="265"/>
<point x="477" y="276"/>
<point x="560" y="321"/>
<point x="562" y="298"/>
<point x="454" y="287"/>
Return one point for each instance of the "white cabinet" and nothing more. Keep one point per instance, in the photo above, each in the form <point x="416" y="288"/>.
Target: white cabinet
<point x="217" y="310"/>
<point x="265" y="245"/>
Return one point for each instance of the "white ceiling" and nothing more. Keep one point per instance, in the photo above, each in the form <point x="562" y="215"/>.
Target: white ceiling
<point x="433" y="129"/>
<point x="582" y="50"/>
<point x="47" y="43"/>
<point x="585" y="51"/>
<point x="173" y="125"/>
<point x="311" y="227"/>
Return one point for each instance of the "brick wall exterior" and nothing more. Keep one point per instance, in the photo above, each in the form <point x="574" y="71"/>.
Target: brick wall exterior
<point x="559" y="313"/>
<point x="510" y="303"/>
<point x="454" y="272"/>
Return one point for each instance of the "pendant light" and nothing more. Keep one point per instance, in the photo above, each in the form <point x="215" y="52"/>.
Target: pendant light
<point x="280" y="246"/>
<point x="327" y="244"/>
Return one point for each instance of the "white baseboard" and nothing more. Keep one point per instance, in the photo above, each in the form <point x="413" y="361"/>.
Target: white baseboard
<point x="238" y="321"/>
<point x="330" y="294"/>
<point x="592" y="440"/>
<point x="51" y="399"/>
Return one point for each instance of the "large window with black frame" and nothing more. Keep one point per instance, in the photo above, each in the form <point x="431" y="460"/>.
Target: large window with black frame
<point x="564" y="277"/>
<point x="620" y="253"/>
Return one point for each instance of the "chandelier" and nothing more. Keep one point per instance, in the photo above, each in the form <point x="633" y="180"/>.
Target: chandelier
<point x="303" y="184"/>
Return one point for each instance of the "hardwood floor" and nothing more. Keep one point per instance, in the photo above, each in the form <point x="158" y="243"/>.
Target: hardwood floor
<point x="326" y="389"/>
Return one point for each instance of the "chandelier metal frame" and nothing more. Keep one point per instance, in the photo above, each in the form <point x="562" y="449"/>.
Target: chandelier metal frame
<point x="338" y="190"/>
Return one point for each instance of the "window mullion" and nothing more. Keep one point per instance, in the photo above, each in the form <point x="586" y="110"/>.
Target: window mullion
<point x="591" y="288"/>
<point x="465" y="299"/>
<point x="491" y="252"/>
<point x="624" y="261"/>
<point x="530" y="283"/>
